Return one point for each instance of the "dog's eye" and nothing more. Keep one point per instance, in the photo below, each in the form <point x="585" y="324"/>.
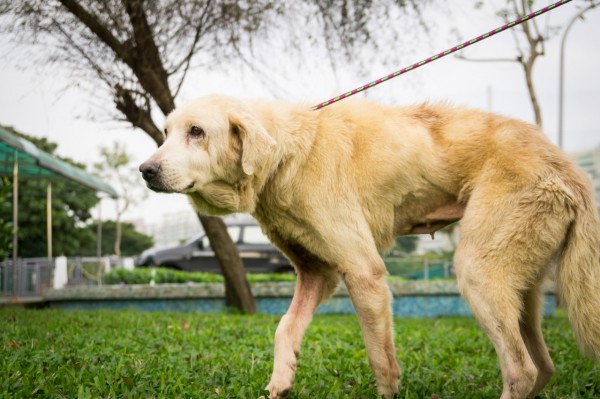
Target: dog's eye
<point x="197" y="132"/>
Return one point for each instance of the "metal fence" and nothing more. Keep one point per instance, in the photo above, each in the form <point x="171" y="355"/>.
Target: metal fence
<point x="86" y="270"/>
<point x="419" y="268"/>
<point x="34" y="275"/>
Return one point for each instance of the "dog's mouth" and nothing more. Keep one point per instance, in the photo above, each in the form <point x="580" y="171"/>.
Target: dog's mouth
<point x="189" y="187"/>
<point x="160" y="187"/>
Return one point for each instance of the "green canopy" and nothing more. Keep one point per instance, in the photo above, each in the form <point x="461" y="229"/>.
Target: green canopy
<point x="21" y="158"/>
<point x="36" y="163"/>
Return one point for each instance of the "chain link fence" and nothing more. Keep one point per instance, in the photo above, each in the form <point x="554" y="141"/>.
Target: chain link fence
<point x="419" y="268"/>
<point x="34" y="275"/>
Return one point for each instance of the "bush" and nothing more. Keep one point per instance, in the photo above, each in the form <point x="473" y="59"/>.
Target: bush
<point x="263" y="278"/>
<point x="166" y="276"/>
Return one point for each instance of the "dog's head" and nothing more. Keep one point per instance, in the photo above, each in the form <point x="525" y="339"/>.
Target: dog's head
<point x="213" y="146"/>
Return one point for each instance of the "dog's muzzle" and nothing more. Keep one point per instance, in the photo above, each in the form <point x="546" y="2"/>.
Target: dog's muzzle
<point x="149" y="170"/>
<point x="151" y="173"/>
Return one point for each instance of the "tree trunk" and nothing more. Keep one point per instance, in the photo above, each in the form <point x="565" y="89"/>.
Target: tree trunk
<point x="237" y="289"/>
<point x="534" y="40"/>
<point x="141" y="54"/>
<point x="528" y="67"/>
<point x="118" y="234"/>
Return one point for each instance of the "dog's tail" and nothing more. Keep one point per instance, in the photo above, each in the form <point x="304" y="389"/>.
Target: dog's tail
<point x="578" y="277"/>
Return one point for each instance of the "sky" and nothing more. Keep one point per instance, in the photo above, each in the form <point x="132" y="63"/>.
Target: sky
<point x="37" y="104"/>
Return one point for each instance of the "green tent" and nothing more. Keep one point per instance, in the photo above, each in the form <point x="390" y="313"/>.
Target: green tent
<point x="32" y="162"/>
<point x="21" y="158"/>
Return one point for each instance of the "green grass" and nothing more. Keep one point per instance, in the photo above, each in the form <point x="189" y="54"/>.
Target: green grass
<point x="128" y="354"/>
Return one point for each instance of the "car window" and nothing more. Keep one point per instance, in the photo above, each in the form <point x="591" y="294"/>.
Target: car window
<point x="205" y="242"/>
<point x="254" y="235"/>
<point x="234" y="233"/>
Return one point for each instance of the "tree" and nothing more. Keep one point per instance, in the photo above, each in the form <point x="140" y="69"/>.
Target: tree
<point x="132" y="241"/>
<point x="530" y="45"/>
<point x="6" y="230"/>
<point x="141" y="51"/>
<point x="406" y="244"/>
<point x="529" y="41"/>
<point x="71" y="204"/>
<point x="116" y="167"/>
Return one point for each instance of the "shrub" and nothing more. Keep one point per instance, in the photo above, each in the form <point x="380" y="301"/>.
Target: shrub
<point x="118" y="276"/>
<point x="267" y="277"/>
<point x="166" y="276"/>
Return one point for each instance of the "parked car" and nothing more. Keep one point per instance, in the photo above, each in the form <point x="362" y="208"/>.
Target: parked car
<point x="196" y="255"/>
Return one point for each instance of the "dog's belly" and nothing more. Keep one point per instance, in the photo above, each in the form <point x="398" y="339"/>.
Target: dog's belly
<point x="427" y="220"/>
<point x="438" y="219"/>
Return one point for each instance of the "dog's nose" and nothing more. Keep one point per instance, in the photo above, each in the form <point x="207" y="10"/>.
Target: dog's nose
<point x="149" y="169"/>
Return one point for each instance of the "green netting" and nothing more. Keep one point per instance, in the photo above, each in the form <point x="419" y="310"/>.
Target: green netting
<point x="34" y="163"/>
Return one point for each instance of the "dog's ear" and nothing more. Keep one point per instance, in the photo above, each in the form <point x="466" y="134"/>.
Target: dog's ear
<point x="256" y="142"/>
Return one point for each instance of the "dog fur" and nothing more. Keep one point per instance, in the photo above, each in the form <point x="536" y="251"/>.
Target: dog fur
<point x="333" y="188"/>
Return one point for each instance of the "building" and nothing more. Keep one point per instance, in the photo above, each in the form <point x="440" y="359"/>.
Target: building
<point x="589" y="161"/>
<point x="172" y="229"/>
<point x="175" y="228"/>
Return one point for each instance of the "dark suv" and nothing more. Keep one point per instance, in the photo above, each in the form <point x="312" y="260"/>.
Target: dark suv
<point x="196" y="255"/>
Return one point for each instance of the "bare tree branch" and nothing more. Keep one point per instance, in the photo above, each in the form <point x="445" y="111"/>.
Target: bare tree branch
<point x="147" y="63"/>
<point x="96" y="27"/>
<point x="534" y="43"/>
<point x="91" y="62"/>
<point x="138" y="117"/>
<point x="193" y="48"/>
<point x="463" y="58"/>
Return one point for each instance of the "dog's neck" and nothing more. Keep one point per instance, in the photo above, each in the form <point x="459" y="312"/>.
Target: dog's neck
<point x="289" y="155"/>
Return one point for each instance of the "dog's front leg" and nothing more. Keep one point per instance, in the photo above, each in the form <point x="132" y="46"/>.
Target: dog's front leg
<point x="309" y="291"/>
<point x="371" y="296"/>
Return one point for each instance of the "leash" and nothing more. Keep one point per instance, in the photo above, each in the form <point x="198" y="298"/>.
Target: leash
<point x="440" y="55"/>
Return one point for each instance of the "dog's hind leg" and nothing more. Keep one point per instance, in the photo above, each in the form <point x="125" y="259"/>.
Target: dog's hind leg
<point x="371" y="297"/>
<point x="509" y="236"/>
<point x="531" y="331"/>
<point x="497" y="304"/>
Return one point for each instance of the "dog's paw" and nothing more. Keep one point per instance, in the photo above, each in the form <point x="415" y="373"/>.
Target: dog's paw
<point x="278" y="390"/>
<point x="388" y="391"/>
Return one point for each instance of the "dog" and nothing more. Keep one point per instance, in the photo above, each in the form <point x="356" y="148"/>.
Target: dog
<point x="333" y="188"/>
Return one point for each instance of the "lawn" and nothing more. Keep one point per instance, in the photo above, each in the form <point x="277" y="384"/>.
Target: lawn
<point x="128" y="354"/>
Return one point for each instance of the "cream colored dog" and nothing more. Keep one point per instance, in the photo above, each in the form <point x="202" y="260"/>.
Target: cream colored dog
<point x="333" y="188"/>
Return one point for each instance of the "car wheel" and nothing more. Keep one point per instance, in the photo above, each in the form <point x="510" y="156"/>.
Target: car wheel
<point x="173" y="266"/>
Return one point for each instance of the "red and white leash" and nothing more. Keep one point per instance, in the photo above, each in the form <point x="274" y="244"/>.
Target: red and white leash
<point x="440" y="55"/>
